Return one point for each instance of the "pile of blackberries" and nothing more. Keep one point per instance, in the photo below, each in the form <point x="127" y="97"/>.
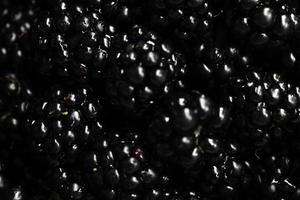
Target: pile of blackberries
<point x="149" y="100"/>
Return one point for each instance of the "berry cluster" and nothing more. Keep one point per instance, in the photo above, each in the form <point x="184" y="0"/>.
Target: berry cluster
<point x="149" y="99"/>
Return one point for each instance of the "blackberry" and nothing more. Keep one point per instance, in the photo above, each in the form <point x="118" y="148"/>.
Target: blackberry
<point x="16" y="20"/>
<point x="59" y="123"/>
<point x="72" y="42"/>
<point x="231" y="177"/>
<point x="62" y="120"/>
<point x="211" y="66"/>
<point x="15" y="95"/>
<point x="266" y="110"/>
<point x="117" y="167"/>
<point x="189" y="20"/>
<point x="142" y="65"/>
<point x="187" y="133"/>
<point x="266" y="30"/>
<point x="99" y="169"/>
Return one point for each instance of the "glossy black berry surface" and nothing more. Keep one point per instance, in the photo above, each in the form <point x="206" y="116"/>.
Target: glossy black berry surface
<point x="267" y="30"/>
<point x="187" y="20"/>
<point x="149" y="100"/>
<point x="141" y="67"/>
<point x="16" y="21"/>
<point x="72" y="42"/>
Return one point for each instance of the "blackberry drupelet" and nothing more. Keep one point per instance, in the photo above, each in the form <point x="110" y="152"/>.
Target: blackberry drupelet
<point x="142" y="65"/>
<point x="266" y="30"/>
<point x="73" y="42"/>
<point x="16" y="20"/>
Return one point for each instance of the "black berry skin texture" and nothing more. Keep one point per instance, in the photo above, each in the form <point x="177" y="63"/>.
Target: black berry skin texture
<point x="265" y="123"/>
<point x="117" y="167"/>
<point x="60" y="122"/>
<point x="149" y="99"/>
<point x="72" y="42"/>
<point x="266" y="110"/>
<point x="186" y="20"/>
<point x="188" y="134"/>
<point x="6" y="190"/>
<point x="211" y="66"/>
<point x="267" y="30"/>
<point x="16" y="21"/>
<point x="142" y="65"/>
<point x="124" y="13"/>
<point x="16" y="182"/>
<point x="278" y="174"/>
<point x="15" y="96"/>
